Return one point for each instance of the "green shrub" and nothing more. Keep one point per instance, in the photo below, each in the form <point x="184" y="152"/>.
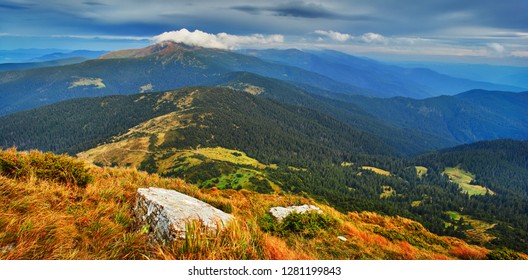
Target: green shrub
<point x="503" y="254"/>
<point x="307" y="224"/>
<point x="268" y="224"/>
<point x="47" y="166"/>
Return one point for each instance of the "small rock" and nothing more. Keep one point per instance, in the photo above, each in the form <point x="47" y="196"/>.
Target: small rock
<point x="281" y="212"/>
<point x="342" y="238"/>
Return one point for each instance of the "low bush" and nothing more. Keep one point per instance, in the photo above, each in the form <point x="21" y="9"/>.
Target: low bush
<point x="307" y="224"/>
<point x="46" y="166"/>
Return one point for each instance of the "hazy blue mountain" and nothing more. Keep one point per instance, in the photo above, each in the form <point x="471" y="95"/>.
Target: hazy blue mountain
<point x="507" y="75"/>
<point x="24" y="55"/>
<point x="69" y="54"/>
<point x="407" y="124"/>
<point x="40" y="55"/>
<point x="32" y="65"/>
<point x="383" y="79"/>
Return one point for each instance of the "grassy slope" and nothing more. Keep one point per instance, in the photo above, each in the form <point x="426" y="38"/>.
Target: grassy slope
<point x="45" y="219"/>
<point x="463" y="179"/>
<point x="377" y="170"/>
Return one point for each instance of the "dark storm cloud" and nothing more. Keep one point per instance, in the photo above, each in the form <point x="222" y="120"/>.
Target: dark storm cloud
<point x="250" y="9"/>
<point x="291" y="9"/>
<point x="93" y="3"/>
<point x="442" y="14"/>
<point x="304" y="10"/>
<point x="300" y="9"/>
<point x="389" y="17"/>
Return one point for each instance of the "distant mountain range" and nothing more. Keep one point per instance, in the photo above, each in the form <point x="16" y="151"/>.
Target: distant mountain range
<point x="41" y="55"/>
<point x="383" y="79"/>
<point x="69" y="54"/>
<point x="49" y="63"/>
<point x="499" y="74"/>
<point x="167" y="66"/>
<point x="407" y="125"/>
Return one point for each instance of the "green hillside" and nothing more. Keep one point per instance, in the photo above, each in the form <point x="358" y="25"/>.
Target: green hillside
<point x="267" y="129"/>
<point x="230" y="139"/>
<point x="501" y="166"/>
<point x="464" y="118"/>
<point x="404" y="140"/>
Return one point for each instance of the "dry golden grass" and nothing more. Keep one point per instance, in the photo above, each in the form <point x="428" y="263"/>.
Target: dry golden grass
<point x="469" y="252"/>
<point x="232" y="156"/>
<point x="84" y="82"/>
<point x="45" y="219"/>
<point x="128" y="152"/>
<point x="376" y="170"/>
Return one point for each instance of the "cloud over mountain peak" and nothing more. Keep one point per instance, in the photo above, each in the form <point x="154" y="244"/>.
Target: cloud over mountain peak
<point x="217" y="41"/>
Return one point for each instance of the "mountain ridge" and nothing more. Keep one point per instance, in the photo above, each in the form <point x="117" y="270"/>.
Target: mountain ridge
<point x="383" y="79"/>
<point x="155" y="72"/>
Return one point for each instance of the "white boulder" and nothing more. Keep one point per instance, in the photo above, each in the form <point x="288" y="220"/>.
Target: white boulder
<point x="167" y="212"/>
<point x="281" y="212"/>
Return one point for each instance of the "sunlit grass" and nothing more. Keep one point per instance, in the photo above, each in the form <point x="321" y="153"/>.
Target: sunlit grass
<point x="376" y="170"/>
<point x="463" y="179"/>
<point x="421" y="171"/>
<point x="84" y="82"/>
<point x="41" y="218"/>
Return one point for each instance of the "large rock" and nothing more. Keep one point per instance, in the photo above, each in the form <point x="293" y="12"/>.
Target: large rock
<point x="167" y="212"/>
<point x="281" y="212"/>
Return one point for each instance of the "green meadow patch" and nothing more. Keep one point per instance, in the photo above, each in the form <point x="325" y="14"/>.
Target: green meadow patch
<point x="478" y="228"/>
<point x="376" y="170"/>
<point x="464" y="180"/>
<point x="421" y="171"/>
<point x="388" y="191"/>
<point x="243" y="179"/>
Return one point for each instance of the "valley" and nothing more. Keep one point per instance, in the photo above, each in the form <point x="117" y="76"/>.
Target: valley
<point x="430" y="174"/>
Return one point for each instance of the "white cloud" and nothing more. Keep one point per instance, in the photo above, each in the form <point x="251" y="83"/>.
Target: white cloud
<point x="496" y="47"/>
<point x="340" y="37"/>
<point x="519" y="53"/>
<point x="372" y="38"/>
<point x="218" y="41"/>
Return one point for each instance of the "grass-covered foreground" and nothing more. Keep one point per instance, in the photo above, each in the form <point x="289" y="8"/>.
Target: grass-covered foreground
<point x="57" y="207"/>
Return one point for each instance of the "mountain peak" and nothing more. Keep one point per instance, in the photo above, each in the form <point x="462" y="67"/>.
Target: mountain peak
<point x="161" y="48"/>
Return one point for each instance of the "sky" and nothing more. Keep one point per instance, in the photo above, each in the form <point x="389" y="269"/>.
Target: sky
<point x="480" y="31"/>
